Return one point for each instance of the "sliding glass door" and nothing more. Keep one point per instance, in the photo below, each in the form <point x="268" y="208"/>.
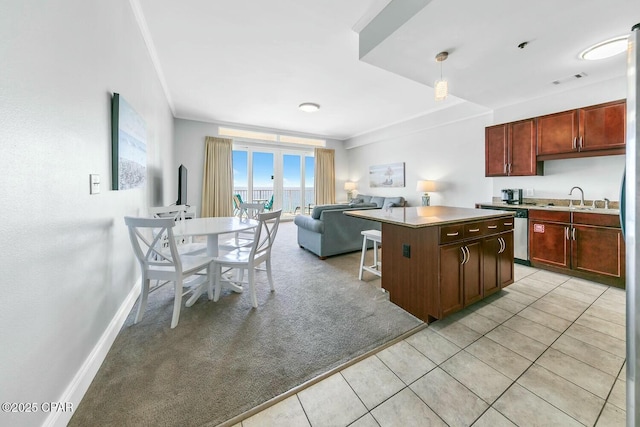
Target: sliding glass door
<point x="278" y="178"/>
<point x="263" y="174"/>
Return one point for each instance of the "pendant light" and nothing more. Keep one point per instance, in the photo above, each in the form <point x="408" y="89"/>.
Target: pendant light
<point x="441" y="87"/>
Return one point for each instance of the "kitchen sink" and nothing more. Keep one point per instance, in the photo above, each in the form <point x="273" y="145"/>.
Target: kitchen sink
<point x="564" y="208"/>
<point x="581" y="208"/>
<point x="551" y="207"/>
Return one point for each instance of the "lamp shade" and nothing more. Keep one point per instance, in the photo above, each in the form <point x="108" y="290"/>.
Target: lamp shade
<point x="349" y="186"/>
<point x="426" y="186"/>
<point x="441" y="90"/>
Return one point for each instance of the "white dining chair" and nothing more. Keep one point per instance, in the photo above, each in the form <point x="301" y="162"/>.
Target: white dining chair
<point x="162" y="265"/>
<point x="248" y="258"/>
<point x="243" y="239"/>
<point x="186" y="245"/>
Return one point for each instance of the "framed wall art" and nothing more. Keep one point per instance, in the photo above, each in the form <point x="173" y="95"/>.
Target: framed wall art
<point x="387" y="175"/>
<point x="128" y="146"/>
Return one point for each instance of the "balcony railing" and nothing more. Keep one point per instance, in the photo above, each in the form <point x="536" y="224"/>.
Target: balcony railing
<point x="290" y="198"/>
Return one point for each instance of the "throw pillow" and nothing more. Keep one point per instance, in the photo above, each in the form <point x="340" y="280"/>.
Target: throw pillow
<point x="379" y="201"/>
<point x="393" y="201"/>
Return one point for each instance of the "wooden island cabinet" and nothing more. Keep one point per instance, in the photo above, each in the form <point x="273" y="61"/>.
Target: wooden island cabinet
<point x="437" y="260"/>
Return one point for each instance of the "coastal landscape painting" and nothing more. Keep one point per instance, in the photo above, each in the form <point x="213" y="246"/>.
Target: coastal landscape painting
<point x="388" y="175"/>
<point x="129" y="146"/>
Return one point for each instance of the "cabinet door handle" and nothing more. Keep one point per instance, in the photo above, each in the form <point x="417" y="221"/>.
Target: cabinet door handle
<point x="575" y="142"/>
<point x="503" y="245"/>
<point x="468" y="254"/>
<point x="465" y="255"/>
<point x="491" y="227"/>
<point x="508" y="224"/>
<point x="474" y="230"/>
<point x="510" y="167"/>
<point x="566" y="233"/>
<point x="573" y="233"/>
<point x="580" y="143"/>
<point x="452" y="234"/>
<point x="505" y="168"/>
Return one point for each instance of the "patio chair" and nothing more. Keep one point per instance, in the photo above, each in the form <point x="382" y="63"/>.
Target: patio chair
<point x="237" y="201"/>
<point x="269" y="205"/>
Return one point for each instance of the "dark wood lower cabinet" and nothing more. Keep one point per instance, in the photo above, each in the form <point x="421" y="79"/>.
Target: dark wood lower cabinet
<point x="443" y="271"/>
<point x="505" y="261"/>
<point x="497" y="262"/>
<point x="472" y="282"/>
<point x="598" y="250"/>
<point x="549" y="243"/>
<point x="451" y="279"/>
<point x="588" y="245"/>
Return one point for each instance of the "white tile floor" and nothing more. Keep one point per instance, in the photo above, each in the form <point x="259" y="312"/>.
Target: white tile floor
<point x="548" y="350"/>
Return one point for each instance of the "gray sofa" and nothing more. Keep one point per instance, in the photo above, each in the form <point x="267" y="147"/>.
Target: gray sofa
<point x="328" y="231"/>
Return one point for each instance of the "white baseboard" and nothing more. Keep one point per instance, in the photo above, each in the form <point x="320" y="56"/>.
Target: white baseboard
<point x="80" y="384"/>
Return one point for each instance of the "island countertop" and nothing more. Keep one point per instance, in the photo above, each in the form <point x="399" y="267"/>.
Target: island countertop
<point x="427" y="216"/>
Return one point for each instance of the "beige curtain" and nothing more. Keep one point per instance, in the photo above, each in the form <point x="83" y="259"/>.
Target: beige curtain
<point x="217" y="182"/>
<point x="325" y="176"/>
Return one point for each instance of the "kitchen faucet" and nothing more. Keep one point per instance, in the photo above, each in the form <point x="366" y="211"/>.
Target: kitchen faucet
<point x="581" y="196"/>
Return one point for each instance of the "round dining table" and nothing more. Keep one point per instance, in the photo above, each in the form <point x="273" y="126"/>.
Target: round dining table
<point x="212" y="227"/>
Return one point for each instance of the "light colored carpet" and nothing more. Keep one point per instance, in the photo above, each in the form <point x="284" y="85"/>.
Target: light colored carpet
<point x="225" y="358"/>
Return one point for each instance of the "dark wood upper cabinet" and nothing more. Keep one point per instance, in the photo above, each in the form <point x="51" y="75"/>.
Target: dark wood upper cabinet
<point x="495" y="156"/>
<point x="602" y="127"/>
<point x="589" y="131"/>
<point x="510" y="149"/>
<point x="558" y="133"/>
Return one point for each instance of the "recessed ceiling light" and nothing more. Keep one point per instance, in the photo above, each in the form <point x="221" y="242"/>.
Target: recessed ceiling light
<point x="605" y="49"/>
<point x="309" y="107"/>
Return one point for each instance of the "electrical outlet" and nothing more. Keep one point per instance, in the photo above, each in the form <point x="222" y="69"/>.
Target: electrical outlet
<point x="406" y="251"/>
<point x="528" y="192"/>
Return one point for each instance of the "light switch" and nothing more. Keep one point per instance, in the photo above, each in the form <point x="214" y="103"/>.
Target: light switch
<point x="94" y="183"/>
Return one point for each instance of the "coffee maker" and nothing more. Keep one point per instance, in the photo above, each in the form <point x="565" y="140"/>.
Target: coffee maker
<point x="512" y="196"/>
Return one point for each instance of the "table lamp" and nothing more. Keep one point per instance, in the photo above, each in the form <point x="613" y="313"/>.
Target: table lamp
<point x="425" y="187"/>
<point x="349" y="187"/>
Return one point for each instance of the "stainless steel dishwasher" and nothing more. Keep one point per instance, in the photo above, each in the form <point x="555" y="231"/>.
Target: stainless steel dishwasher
<point x="520" y="232"/>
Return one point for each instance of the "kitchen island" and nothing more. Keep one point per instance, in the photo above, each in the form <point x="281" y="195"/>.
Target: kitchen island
<point x="437" y="260"/>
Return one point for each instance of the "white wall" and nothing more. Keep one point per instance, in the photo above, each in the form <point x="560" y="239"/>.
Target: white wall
<point x="189" y="150"/>
<point x="452" y="153"/>
<point x="66" y="262"/>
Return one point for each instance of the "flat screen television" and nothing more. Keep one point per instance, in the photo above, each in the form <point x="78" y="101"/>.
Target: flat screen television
<point x="182" y="186"/>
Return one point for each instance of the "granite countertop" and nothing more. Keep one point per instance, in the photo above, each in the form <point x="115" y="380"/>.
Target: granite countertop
<point x="427" y="216"/>
<point x="553" y="206"/>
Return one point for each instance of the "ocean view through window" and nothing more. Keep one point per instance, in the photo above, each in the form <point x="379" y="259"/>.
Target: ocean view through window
<point x="285" y="175"/>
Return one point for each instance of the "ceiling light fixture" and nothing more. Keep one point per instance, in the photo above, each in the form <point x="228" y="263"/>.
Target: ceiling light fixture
<point x="309" y="107"/>
<point x="605" y="49"/>
<point x="441" y="87"/>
